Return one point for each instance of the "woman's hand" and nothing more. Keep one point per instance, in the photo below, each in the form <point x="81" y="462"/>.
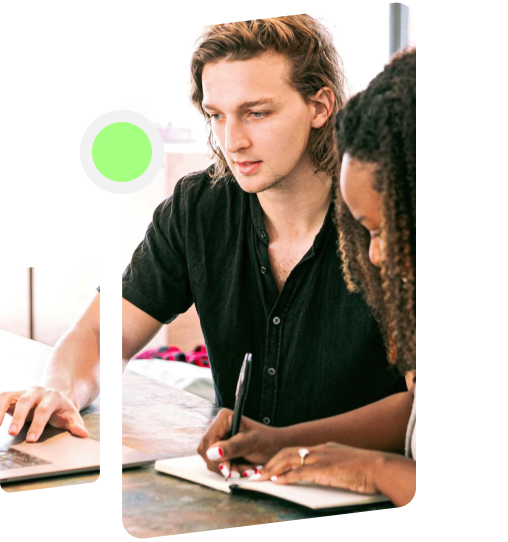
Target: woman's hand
<point x="41" y="406"/>
<point x="329" y="464"/>
<point x="254" y="445"/>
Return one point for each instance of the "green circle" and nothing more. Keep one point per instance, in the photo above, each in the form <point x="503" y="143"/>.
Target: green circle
<point x="122" y="152"/>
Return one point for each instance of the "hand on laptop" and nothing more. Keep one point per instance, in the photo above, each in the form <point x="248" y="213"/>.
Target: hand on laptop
<point x="41" y="406"/>
<point x="255" y="444"/>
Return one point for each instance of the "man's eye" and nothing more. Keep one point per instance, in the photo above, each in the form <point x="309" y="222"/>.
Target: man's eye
<point x="258" y="114"/>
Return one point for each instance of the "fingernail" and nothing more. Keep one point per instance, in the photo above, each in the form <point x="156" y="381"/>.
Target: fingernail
<point x="274" y="478"/>
<point x="30" y="437"/>
<point x="224" y="470"/>
<point x="256" y="476"/>
<point x="214" y="453"/>
<point x="259" y="467"/>
<point x="235" y="474"/>
<point x="249" y="472"/>
<point x="13" y="428"/>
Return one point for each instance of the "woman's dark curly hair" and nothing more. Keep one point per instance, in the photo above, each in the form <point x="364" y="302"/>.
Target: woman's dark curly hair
<point x="378" y="126"/>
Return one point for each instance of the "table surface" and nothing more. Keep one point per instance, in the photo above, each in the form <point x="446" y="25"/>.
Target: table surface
<point x="167" y="422"/>
<point x="164" y="422"/>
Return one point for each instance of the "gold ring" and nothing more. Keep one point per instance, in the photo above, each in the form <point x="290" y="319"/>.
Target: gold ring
<point x="303" y="453"/>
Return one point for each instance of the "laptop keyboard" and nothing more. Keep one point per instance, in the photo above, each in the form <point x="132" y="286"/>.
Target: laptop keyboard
<point x="14" y="459"/>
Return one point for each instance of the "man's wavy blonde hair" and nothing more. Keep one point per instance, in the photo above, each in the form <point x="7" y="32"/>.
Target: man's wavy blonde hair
<point x="314" y="64"/>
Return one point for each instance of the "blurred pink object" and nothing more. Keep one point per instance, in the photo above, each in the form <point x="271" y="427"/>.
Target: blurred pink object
<point x="198" y="356"/>
<point x="170" y="134"/>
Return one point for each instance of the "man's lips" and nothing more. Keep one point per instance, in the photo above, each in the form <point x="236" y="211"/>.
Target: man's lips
<point x="248" y="167"/>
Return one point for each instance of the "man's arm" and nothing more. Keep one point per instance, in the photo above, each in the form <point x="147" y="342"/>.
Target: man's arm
<point x="138" y="328"/>
<point x="70" y="382"/>
<point x="73" y="367"/>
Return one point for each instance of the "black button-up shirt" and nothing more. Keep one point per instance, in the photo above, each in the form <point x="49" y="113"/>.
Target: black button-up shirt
<point x="316" y="349"/>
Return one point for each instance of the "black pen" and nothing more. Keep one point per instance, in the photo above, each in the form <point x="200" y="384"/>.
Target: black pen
<point x="241" y="394"/>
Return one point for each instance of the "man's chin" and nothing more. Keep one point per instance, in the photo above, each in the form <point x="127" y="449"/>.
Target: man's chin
<point x="253" y="185"/>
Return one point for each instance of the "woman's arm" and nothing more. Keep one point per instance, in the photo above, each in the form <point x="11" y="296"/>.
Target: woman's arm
<point x="427" y="484"/>
<point x="395" y="477"/>
<point x="345" y="467"/>
<point x="379" y="426"/>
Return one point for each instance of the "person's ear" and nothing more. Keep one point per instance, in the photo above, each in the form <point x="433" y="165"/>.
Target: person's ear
<point x="323" y="103"/>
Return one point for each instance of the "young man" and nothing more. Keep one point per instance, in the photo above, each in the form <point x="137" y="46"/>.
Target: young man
<point x="251" y="240"/>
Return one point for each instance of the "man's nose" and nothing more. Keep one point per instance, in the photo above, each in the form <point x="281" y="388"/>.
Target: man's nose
<point x="375" y="251"/>
<point x="236" y="137"/>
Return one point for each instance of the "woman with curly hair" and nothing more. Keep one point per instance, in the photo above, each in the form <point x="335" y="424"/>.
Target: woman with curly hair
<point x="376" y="136"/>
<point x="376" y="221"/>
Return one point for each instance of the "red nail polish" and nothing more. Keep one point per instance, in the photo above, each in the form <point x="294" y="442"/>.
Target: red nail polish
<point x="221" y="452"/>
<point x="221" y="467"/>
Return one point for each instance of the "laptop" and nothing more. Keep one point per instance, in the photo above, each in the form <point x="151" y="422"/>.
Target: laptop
<point x="56" y="453"/>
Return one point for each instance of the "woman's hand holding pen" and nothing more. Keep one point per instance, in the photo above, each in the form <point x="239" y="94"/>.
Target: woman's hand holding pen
<point x="41" y="406"/>
<point x="254" y="444"/>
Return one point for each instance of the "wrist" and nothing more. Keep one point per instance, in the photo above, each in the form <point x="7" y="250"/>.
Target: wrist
<point x="71" y="396"/>
<point x="380" y="468"/>
<point x="395" y="477"/>
<point x="65" y="391"/>
<point x="80" y="391"/>
<point x="285" y="437"/>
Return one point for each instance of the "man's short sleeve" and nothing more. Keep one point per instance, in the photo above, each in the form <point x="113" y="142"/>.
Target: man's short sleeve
<point x="157" y="278"/>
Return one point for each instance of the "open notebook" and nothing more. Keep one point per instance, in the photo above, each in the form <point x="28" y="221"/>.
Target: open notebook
<point x="194" y="469"/>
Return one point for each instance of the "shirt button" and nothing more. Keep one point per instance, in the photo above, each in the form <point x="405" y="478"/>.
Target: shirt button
<point x="276" y="320"/>
<point x="266" y="421"/>
<point x="263" y="270"/>
<point x="271" y="371"/>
